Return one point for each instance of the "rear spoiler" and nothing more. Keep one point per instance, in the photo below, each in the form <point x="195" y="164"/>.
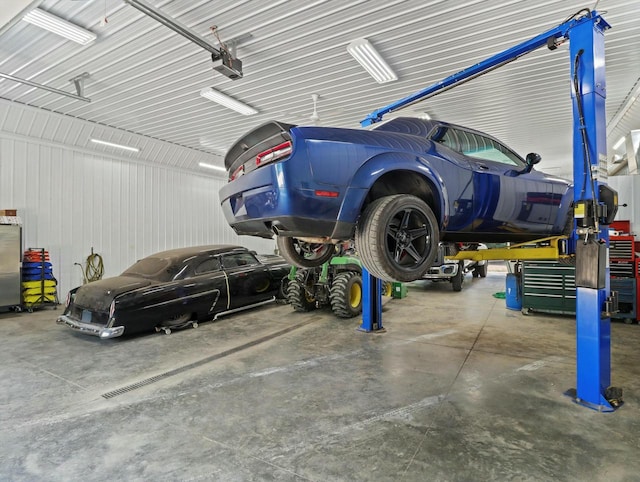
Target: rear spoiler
<point x="255" y="141"/>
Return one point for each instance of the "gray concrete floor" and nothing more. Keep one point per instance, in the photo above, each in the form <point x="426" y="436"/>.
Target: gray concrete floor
<point x="458" y="389"/>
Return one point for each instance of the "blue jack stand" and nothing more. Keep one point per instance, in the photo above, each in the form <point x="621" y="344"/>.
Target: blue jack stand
<point x="371" y="304"/>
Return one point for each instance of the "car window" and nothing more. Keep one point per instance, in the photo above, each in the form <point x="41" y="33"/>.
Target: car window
<point x="211" y="264"/>
<point x="238" y="259"/>
<point x="447" y="137"/>
<point x="152" y="268"/>
<point x="487" y="149"/>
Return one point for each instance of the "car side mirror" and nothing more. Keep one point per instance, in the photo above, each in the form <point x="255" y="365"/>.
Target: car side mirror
<point x="531" y="160"/>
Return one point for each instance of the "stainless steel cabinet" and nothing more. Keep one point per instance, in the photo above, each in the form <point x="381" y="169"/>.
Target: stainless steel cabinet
<point x="10" y="263"/>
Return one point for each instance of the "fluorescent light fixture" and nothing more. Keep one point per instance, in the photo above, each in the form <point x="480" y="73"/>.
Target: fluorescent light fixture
<point x="370" y="59"/>
<point x="117" y="146"/>
<point x="619" y="143"/>
<point x="59" y="26"/>
<point x="229" y="102"/>
<point x="211" y="166"/>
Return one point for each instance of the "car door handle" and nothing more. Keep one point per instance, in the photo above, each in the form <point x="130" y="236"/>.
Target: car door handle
<point x="483" y="166"/>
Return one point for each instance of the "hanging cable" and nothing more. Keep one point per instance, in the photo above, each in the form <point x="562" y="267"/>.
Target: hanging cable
<point x="588" y="174"/>
<point x="93" y="269"/>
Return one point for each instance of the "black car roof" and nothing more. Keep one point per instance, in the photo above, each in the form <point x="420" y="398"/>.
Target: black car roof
<point x="180" y="254"/>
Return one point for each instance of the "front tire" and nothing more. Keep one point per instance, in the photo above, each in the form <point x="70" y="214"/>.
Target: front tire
<point x="298" y="297"/>
<point x="346" y="294"/>
<point x="397" y="238"/>
<point x="303" y="254"/>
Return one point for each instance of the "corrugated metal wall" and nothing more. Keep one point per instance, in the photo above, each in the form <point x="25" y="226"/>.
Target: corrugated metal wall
<point x="71" y="200"/>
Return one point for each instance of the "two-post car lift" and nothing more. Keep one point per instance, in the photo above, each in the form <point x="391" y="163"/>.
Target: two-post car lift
<point x="585" y="30"/>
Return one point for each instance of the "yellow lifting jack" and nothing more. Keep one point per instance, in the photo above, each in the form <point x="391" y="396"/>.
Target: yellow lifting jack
<point x="554" y="247"/>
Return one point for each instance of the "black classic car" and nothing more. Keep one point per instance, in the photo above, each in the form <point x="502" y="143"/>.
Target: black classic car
<point x="175" y="289"/>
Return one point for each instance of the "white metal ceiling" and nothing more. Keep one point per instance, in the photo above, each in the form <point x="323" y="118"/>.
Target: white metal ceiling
<point x="145" y="79"/>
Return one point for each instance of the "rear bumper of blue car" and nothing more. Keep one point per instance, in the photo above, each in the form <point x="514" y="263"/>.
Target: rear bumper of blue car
<point x="261" y="203"/>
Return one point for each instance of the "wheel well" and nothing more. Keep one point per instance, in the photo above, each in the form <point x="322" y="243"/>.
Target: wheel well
<point x="405" y="182"/>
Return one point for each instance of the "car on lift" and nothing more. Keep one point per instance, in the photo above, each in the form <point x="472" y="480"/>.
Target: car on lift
<point x="175" y="289"/>
<point x="398" y="189"/>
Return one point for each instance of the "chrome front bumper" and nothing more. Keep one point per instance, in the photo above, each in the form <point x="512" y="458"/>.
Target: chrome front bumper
<point x="94" y="329"/>
<point x="445" y="271"/>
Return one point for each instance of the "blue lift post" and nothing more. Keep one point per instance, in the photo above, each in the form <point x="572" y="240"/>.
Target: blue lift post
<point x="585" y="30"/>
<point x="371" y="303"/>
<point x="593" y="328"/>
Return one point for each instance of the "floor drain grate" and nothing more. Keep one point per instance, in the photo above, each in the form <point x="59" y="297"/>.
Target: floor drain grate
<point x="204" y="361"/>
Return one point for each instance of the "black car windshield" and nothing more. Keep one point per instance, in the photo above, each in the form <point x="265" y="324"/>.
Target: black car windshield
<point x="151" y="268"/>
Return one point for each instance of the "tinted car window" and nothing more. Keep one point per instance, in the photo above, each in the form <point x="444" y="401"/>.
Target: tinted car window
<point x="238" y="259"/>
<point x="485" y="148"/>
<point x="153" y="268"/>
<point x="212" y="264"/>
<point x="447" y="137"/>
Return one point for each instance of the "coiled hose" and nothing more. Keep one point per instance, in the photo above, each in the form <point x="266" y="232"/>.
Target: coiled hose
<point x="93" y="268"/>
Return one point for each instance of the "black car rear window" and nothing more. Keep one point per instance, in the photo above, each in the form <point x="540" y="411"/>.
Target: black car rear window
<point x="153" y="268"/>
<point x="238" y="259"/>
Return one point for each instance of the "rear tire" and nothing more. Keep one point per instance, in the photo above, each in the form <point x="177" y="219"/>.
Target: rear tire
<point x="397" y="238"/>
<point x="298" y="297"/>
<point x="176" y="322"/>
<point x="346" y="294"/>
<point x="387" y="288"/>
<point x="303" y="254"/>
<point x="456" y="281"/>
<point x="481" y="270"/>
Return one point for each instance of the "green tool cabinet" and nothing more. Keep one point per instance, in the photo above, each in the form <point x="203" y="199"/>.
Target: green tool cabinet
<point x="548" y="287"/>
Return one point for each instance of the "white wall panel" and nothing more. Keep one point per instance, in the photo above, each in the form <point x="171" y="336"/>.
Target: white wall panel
<point x="628" y="187"/>
<point x="71" y="200"/>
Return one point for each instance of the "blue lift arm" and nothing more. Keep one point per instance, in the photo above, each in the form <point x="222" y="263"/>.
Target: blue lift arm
<point x="550" y="38"/>
<point x="585" y="30"/>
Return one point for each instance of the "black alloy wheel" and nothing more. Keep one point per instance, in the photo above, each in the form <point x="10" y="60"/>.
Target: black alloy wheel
<point x="397" y="238"/>
<point x="303" y="254"/>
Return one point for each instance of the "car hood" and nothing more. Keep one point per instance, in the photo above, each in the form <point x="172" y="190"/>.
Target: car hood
<point x="98" y="295"/>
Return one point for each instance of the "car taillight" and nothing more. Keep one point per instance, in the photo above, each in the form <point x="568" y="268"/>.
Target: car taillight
<point x="237" y="173"/>
<point x="112" y="308"/>
<point x="321" y="193"/>
<point x="275" y="153"/>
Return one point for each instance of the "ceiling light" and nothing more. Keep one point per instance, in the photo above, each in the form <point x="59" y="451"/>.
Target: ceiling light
<point x="117" y="146"/>
<point x="229" y="102"/>
<point x="211" y="166"/>
<point x="370" y="59"/>
<point x="59" y="26"/>
<point x="619" y="143"/>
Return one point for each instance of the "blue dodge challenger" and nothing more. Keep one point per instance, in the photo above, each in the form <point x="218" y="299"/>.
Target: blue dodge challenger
<point x="397" y="190"/>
